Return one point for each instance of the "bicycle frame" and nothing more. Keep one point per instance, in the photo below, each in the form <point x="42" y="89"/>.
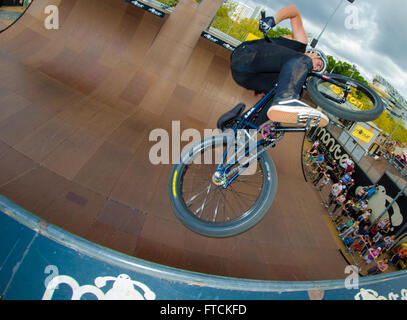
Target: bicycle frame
<point x="245" y="123"/>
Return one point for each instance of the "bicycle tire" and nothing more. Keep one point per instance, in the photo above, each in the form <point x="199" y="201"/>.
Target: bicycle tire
<point x="225" y="228"/>
<point x="353" y="113"/>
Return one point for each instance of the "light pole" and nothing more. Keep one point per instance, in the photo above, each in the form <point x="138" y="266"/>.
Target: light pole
<point x="338" y="63"/>
<point x="353" y="70"/>
<point x="314" y="41"/>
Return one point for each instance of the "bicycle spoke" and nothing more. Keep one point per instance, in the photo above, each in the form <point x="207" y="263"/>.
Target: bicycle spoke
<point x="216" y="211"/>
<point x="196" y="196"/>
<point x="217" y="204"/>
<point x="240" y="194"/>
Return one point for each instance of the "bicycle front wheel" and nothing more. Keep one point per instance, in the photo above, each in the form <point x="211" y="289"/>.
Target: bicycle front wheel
<point x="211" y="209"/>
<point x="361" y="104"/>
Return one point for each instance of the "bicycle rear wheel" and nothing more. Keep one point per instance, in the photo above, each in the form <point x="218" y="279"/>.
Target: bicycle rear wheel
<point x="361" y="104"/>
<point x="210" y="209"/>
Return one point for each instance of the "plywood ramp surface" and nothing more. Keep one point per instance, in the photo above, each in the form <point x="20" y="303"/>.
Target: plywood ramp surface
<point x="77" y="107"/>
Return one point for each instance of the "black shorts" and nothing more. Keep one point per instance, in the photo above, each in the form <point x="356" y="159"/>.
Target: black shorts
<point x="256" y="65"/>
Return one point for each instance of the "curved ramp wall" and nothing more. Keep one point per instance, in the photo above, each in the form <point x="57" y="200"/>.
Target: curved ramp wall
<point x="41" y="261"/>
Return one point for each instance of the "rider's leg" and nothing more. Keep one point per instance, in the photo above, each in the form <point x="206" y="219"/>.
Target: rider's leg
<point x="286" y="106"/>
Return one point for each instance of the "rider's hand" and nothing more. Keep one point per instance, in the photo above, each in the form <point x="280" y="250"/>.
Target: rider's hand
<point x="267" y="24"/>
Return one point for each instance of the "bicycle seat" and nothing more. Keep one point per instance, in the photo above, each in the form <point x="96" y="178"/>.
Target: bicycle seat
<point x="227" y="119"/>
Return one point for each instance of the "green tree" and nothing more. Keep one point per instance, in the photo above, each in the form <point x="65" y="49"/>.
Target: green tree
<point x="344" y="68"/>
<point x="225" y="10"/>
<point x="388" y="124"/>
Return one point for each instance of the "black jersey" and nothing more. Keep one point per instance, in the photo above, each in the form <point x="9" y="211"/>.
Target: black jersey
<point x="256" y="65"/>
<point x="249" y="55"/>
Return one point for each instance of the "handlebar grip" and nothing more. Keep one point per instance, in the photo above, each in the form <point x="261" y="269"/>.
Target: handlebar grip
<point x="263" y="15"/>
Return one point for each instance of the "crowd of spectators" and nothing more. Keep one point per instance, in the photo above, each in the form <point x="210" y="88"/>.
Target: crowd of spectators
<point x="348" y="207"/>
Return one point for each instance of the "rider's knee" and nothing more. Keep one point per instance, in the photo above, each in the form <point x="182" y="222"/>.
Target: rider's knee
<point x="301" y="62"/>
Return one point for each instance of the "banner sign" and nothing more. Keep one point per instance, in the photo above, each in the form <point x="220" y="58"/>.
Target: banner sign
<point x="218" y="41"/>
<point x="363" y="134"/>
<point x="148" y="8"/>
<point x="333" y="150"/>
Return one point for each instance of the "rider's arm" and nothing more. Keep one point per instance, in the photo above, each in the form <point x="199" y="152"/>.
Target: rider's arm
<point x="291" y="12"/>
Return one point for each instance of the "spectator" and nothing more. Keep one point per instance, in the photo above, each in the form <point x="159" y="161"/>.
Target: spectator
<point x="356" y="207"/>
<point x="350" y="230"/>
<point x="345" y="210"/>
<point x="324" y="181"/>
<point x="367" y="246"/>
<point x="371" y="191"/>
<point x="383" y="223"/>
<point x="374" y="229"/>
<point x="347" y="163"/>
<point x="336" y="190"/>
<point x="345" y="225"/>
<point x="314" y="145"/>
<point x="377" y="237"/>
<point x="312" y="155"/>
<point x="363" y="230"/>
<point x="380" y="267"/>
<point x="364" y="217"/>
<point x="361" y="195"/>
<point x="364" y="205"/>
<point x="321" y="173"/>
<point x="387" y="243"/>
<point x="348" y="241"/>
<point x="350" y="167"/>
<point x="346" y="178"/>
<point x="318" y="161"/>
<point x="339" y="202"/>
<point x="386" y="228"/>
<point x="350" y="188"/>
<point x="372" y="255"/>
<point x="363" y="243"/>
<point x="394" y="260"/>
<point x="334" y="165"/>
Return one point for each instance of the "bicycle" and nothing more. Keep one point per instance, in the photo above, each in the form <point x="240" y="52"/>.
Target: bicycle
<point x="219" y="199"/>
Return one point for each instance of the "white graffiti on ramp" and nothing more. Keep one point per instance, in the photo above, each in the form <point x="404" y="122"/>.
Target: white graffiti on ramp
<point x="123" y="288"/>
<point x="369" y="294"/>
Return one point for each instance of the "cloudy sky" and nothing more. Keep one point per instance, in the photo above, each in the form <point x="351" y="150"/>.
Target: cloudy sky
<point x="368" y="33"/>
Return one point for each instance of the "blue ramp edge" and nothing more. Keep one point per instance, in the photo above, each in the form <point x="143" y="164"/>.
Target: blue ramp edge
<point x="41" y="261"/>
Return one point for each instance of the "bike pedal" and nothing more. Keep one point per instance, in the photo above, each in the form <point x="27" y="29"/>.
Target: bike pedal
<point x="309" y="119"/>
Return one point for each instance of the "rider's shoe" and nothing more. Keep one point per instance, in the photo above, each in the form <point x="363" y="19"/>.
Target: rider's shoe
<point x="227" y="119"/>
<point x="297" y="112"/>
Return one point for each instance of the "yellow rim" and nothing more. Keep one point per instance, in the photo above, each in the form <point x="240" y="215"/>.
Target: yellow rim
<point x="174" y="192"/>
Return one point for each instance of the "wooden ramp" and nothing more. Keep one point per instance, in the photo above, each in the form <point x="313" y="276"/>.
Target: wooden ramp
<point x="77" y="106"/>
